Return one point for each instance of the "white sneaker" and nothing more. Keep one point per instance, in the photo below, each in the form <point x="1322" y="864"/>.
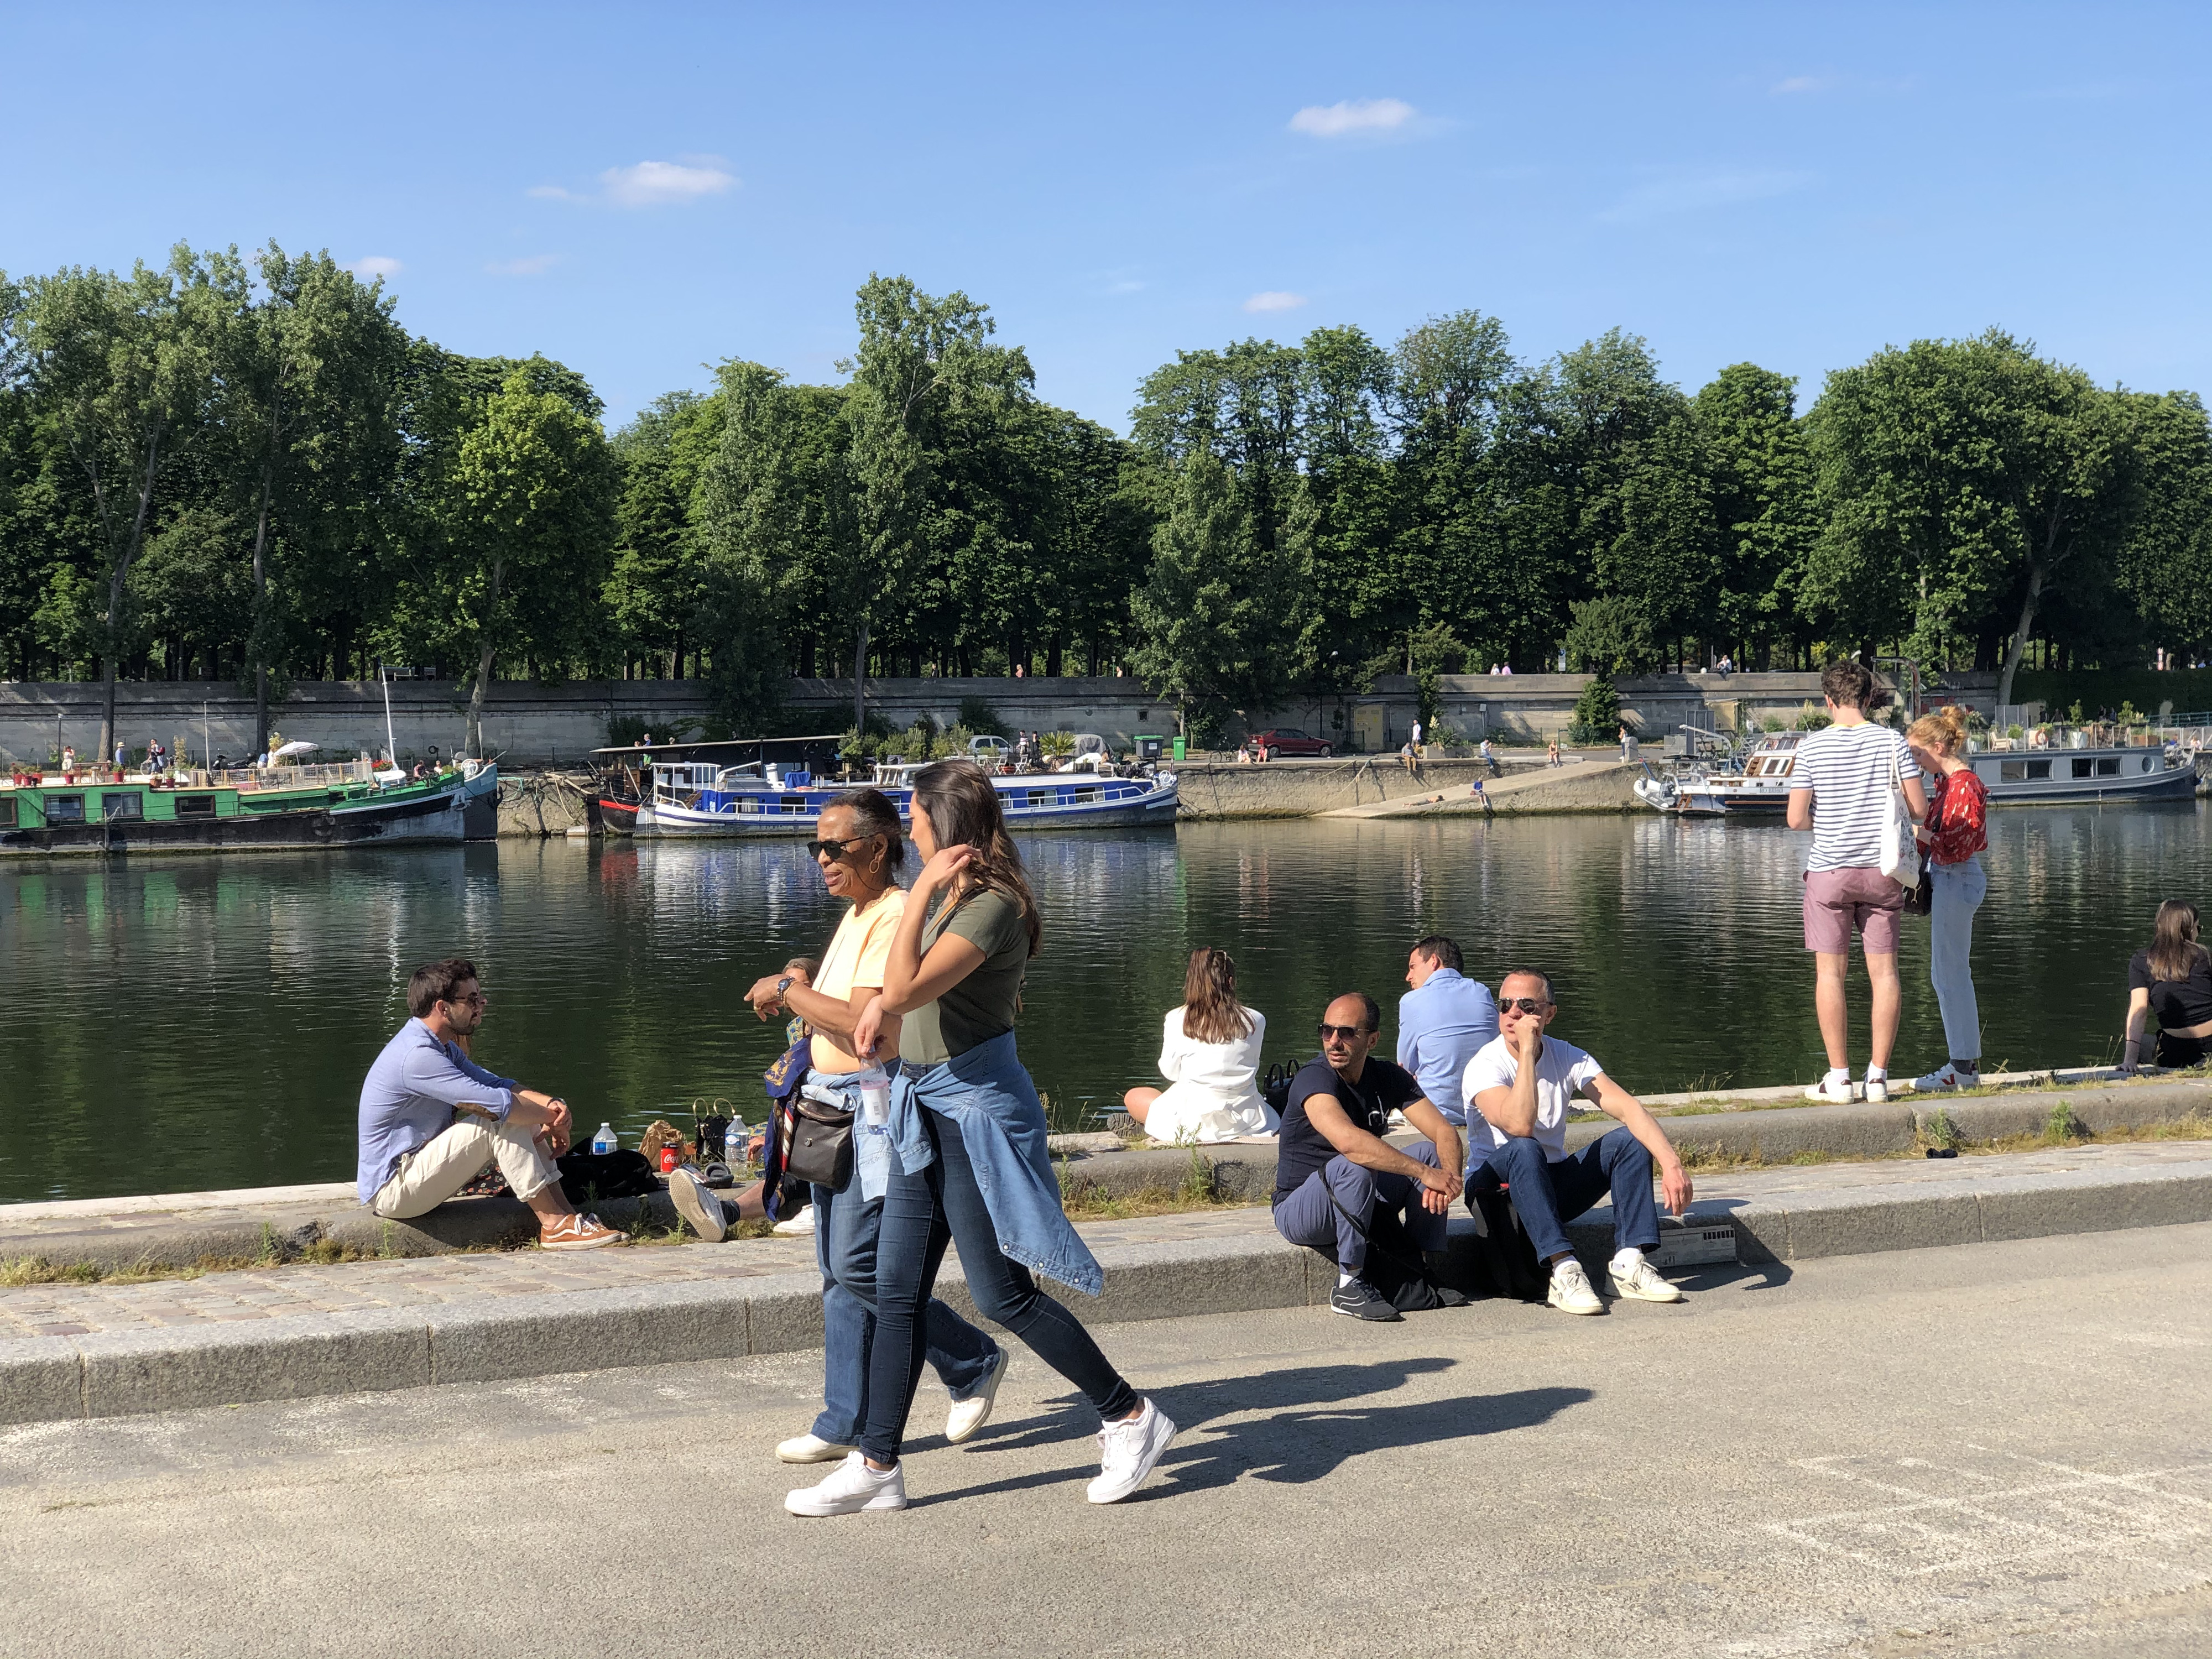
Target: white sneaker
<point x="1877" y="1091"/>
<point x="1642" y="1283"/>
<point x="1946" y="1076"/>
<point x="1570" y="1290"/>
<point x="968" y="1415"/>
<point x="793" y="1225"/>
<point x="810" y="1447"/>
<point x="851" y="1487"/>
<point x="696" y="1202"/>
<point x="1831" y="1094"/>
<point x="1127" y="1452"/>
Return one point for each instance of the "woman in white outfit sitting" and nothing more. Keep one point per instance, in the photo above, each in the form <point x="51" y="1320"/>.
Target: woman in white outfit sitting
<point x="1210" y="1055"/>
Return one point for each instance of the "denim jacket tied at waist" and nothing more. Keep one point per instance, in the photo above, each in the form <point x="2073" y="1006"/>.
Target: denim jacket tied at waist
<point x="989" y="1095"/>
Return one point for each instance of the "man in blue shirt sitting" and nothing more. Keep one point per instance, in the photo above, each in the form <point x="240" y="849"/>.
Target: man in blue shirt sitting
<point x="432" y="1120"/>
<point x="1442" y="1022"/>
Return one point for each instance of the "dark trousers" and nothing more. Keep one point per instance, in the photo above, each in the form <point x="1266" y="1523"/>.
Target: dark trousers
<point x="1547" y="1195"/>
<point x="922" y="1213"/>
<point x="1307" y="1216"/>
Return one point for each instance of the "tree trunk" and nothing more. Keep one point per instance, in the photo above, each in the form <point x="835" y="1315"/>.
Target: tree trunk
<point x="2017" y="649"/>
<point x="861" y="678"/>
<point x="260" y="623"/>
<point x="485" y="650"/>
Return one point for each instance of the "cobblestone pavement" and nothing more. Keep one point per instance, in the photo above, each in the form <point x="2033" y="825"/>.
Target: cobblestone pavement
<point x="70" y="1310"/>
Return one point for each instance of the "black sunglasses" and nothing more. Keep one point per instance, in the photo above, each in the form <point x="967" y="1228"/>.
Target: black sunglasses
<point x="834" y="849"/>
<point x="1349" y="1033"/>
<point x="1526" y="1005"/>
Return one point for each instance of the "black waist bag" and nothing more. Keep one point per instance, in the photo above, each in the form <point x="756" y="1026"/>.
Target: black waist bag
<point x="587" y="1177"/>
<point x="821" y="1144"/>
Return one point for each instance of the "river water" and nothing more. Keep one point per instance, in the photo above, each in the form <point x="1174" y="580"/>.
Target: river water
<point x="187" y="1024"/>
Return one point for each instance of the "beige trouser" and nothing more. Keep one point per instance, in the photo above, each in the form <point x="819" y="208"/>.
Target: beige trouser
<point x="451" y="1159"/>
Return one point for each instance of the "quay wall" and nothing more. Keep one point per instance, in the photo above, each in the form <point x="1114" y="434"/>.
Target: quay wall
<point x="530" y="724"/>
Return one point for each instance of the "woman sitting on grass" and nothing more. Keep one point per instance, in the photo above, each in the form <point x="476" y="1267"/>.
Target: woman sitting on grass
<point x="1210" y="1055"/>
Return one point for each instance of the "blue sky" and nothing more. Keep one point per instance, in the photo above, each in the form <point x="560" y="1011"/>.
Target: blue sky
<point x="640" y="190"/>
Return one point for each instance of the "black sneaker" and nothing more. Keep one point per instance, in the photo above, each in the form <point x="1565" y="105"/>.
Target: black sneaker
<point x="1358" y="1300"/>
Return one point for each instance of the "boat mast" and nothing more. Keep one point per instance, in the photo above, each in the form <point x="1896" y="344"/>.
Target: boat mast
<point x="391" y="747"/>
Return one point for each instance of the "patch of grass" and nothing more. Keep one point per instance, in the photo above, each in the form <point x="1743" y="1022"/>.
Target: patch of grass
<point x="1941" y="1133"/>
<point x="2062" y="1126"/>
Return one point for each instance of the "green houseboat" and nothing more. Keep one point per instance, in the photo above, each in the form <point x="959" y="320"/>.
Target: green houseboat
<point x="278" y="808"/>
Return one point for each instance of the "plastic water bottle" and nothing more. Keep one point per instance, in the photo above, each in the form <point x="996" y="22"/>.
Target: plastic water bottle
<point x="733" y="1142"/>
<point x="604" y="1142"/>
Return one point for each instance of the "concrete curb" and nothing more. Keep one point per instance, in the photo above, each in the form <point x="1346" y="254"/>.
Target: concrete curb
<point x="124" y="1373"/>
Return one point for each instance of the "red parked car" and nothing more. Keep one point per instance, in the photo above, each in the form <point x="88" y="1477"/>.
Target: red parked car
<point x="1289" y="740"/>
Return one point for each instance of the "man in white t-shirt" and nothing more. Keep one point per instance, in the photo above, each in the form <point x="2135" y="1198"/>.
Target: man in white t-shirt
<point x="1839" y="788"/>
<point x="1521" y="1084"/>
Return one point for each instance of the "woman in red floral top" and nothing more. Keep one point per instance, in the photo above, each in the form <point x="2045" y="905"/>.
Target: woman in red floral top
<point x="1957" y="808"/>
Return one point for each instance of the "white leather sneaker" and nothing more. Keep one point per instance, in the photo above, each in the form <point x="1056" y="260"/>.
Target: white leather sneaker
<point x="792" y="1226"/>
<point x="1831" y="1094"/>
<point x="1642" y="1282"/>
<point x="697" y="1203"/>
<point x="851" y="1487"/>
<point x="1571" y="1290"/>
<point x="968" y="1415"/>
<point x="1876" y="1091"/>
<point x="1127" y="1452"/>
<point x="1946" y="1076"/>
<point x="811" y="1449"/>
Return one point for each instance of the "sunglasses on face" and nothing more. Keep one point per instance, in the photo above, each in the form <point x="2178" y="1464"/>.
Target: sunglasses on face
<point x="474" y="999"/>
<point x="1526" y="1005"/>
<point x="834" y="850"/>
<point x="1341" y="1033"/>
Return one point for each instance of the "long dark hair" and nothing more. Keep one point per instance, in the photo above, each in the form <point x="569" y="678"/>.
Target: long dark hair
<point x="963" y="810"/>
<point x="1211" y="1012"/>
<point x="2174" y="952"/>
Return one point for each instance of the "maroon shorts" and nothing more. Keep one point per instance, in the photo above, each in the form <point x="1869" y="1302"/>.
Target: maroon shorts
<point x="1838" y="902"/>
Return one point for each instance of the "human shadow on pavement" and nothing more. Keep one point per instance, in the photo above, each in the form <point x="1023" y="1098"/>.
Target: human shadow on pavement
<point x="1301" y="1439"/>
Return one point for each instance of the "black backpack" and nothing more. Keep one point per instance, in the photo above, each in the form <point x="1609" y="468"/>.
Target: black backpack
<point x="588" y="1177"/>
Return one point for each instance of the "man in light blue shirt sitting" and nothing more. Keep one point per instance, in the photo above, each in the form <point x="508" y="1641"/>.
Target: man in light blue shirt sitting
<point x="1442" y="1022"/>
<point x="432" y="1120"/>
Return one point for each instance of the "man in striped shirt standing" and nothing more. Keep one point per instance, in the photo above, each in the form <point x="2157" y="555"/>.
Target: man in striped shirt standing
<point x="1839" y="789"/>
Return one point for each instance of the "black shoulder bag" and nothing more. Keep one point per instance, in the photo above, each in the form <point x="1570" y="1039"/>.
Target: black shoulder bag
<point x="821" y="1144"/>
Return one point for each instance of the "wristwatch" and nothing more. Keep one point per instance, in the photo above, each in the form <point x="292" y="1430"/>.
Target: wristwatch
<point x="783" y="990"/>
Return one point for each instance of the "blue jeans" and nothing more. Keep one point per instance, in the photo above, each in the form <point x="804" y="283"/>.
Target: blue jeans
<point x="921" y="1214"/>
<point x="1548" y="1196"/>
<point x="1959" y="891"/>
<point x="1306" y="1215"/>
<point x="846" y="1233"/>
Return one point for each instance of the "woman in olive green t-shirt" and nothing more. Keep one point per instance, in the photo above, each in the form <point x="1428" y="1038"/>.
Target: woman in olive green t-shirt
<point x="957" y="981"/>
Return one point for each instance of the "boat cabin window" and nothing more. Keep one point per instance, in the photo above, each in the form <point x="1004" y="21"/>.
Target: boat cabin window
<point x="2146" y="762"/>
<point x="2090" y="766"/>
<point x="2013" y="771"/>
<point x="123" y="803"/>
<point x="7" y="812"/>
<point x="195" y="806"/>
<point x="65" y="809"/>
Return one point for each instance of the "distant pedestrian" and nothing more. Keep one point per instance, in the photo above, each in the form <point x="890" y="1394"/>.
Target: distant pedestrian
<point x="2172" y="979"/>
<point x="1417" y="735"/>
<point x="1839" y="789"/>
<point x="1627" y="743"/>
<point x="1409" y="757"/>
<point x="1489" y="759"/>
<point x="1955" y="836"/>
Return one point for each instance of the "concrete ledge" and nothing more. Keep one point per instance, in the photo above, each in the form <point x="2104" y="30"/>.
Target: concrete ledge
<point x="126" y="1372"/>
<point x="41" y="1381"/>
<point x="583" y="1330"/>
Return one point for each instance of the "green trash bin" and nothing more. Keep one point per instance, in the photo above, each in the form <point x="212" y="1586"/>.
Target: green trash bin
<point x="1179" y="753"/>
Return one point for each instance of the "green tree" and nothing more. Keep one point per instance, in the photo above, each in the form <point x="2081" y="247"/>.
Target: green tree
<point x="1210" y="615"/>
<point x="529" y="521"/>
<point x="2165" y="565"/>
<point x="1762" y="483"/>
<point x="120" y="371"/>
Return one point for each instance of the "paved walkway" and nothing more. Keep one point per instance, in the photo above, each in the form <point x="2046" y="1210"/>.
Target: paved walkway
<point x="223" y="1299"/>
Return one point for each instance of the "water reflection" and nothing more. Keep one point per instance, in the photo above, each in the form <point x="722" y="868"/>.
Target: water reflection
<point x="204" y="1022"/>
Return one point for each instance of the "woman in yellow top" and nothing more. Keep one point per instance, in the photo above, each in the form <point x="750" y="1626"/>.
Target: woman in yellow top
<point x="859" y="849"/>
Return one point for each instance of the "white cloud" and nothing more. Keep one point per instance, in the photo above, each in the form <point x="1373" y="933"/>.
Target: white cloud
<point x="1354" y="115"/>
<point x="536" y="265"/>
<point x="1275" y="299"/>
<point x="1801" y="83"/>
<point x="652" y="184"/>
<point x="1690" y="193"/>
<point x="377" y="264"/>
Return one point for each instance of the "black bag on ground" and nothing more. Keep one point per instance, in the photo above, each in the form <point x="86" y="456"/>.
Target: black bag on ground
<point x="1510" y="1267"/>
<point x="587" y="1177"/>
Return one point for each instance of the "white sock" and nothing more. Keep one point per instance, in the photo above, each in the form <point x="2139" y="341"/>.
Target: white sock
<point x="1839" y="1074"/>
<point x="1626" y="1260"/>
<point x="1877" y="1074"/>
<point x="1343" y="1278"/>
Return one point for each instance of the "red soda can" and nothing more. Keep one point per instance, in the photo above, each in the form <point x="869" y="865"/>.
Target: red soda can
<point x="668" y="1159"/>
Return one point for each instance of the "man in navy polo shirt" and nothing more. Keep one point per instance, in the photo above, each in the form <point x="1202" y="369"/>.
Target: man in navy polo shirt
<point x="1335" y="1175"/>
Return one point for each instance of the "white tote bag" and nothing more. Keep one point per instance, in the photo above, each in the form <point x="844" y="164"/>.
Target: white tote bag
<point x="1900" y="853"/>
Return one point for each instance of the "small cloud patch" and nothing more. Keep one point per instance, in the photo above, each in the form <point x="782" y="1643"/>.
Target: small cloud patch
<point x="1354" y="115"/>
<point x="376" y="266"/>
<point x="650" y="184"/>
<point x="1274" y="300"/>
<point x="535" y="264"/>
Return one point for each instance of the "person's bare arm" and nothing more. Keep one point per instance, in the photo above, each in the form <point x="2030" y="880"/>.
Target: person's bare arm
<point x="910" y="979"/>
<point x="1511" y="1108"/>
<point x="1370" y="1152"/>
<point x="2138" y="1023"/>
<point x="1916" y="798"/>
<point x="1800" y="809"/>
<point x="1616" y="1101"/>
<point x="841" y="1022"/>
